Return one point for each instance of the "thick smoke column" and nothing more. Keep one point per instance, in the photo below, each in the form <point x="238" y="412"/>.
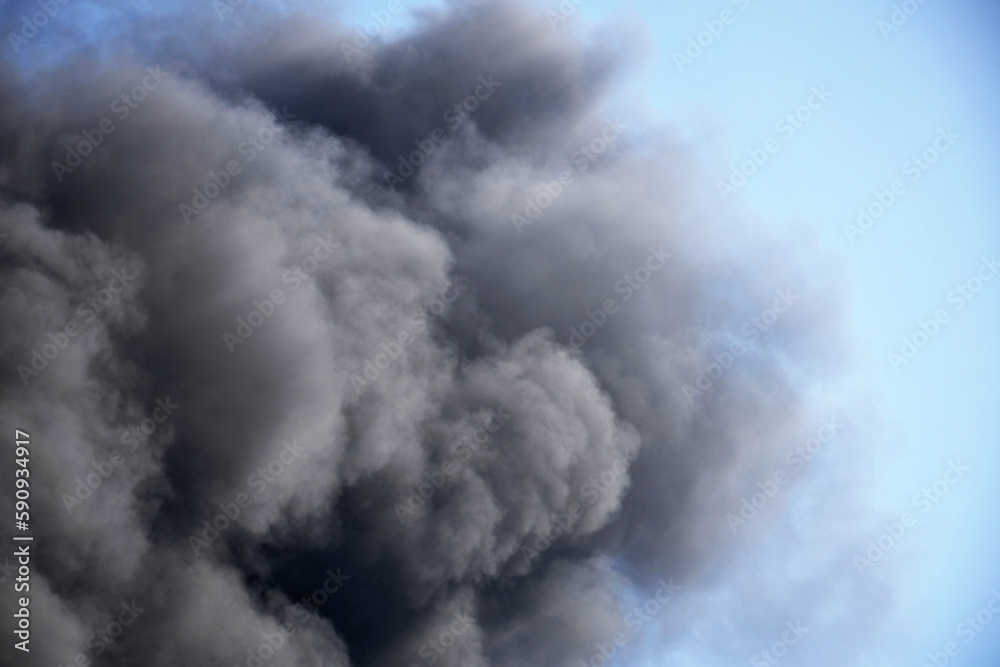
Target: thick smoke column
<point x="429" y="329"/>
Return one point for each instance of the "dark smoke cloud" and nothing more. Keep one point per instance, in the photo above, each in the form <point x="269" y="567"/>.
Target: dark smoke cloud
<point x="369" y="373"/>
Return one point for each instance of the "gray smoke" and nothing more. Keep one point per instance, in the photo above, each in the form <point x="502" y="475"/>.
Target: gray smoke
<point x="430" y="326"/>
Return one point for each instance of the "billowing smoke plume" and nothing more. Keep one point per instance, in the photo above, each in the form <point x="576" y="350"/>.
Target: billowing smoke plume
<point x="336" y="350"/>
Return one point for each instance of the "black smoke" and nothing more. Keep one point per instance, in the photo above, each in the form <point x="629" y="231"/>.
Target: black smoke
<point x="415" y="307"/>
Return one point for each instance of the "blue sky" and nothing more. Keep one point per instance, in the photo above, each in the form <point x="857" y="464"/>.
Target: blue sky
<point x="889" y="97"/>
